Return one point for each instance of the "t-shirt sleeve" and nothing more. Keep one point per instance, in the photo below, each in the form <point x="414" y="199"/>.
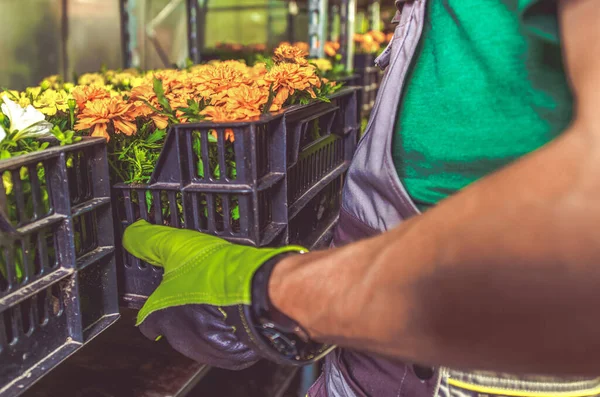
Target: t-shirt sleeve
<point x="540" y="18"/>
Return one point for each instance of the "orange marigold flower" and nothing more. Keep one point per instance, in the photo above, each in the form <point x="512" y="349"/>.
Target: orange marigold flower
<point x="330" y="49"/>
<point x="302" y="45"/>
<point x="290" y="54"/>
<point x="377" y="36"/>
<point x="171" y="79"/>
<point x="213" y="83"/>
<point x="259" y="70"/>
<point x="84" y="94"/>
<point x="216" y="113"/>
<point x="245" y="102"/>
<point x="367" y="43"/>
<point x="141" y="96"/>
<point x="220" y="114"/>
<point x="289" y="77"/>
<point x="143" y="92"/>
<point x="98" y="115"/>
<point x="359" y="38"/>
<point x="370" y="46"/>
<point x="259" y="47"/>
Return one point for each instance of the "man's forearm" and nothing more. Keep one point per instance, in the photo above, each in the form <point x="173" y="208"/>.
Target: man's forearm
<point x="507" y="268"/>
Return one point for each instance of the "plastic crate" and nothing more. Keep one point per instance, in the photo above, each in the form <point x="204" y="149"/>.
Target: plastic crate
<point x="58" y="286"/>
<point x="369" y="79"/>
<point x="282" y="161"/>
<point x="348" y="81"/>
<point x="312" y="224"/>
<point x="353" y="81"/>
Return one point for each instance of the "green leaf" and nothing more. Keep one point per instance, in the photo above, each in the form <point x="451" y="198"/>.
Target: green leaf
<point x="41" y="172"/>
<point x="235" y="213"/>
<point x="217" y="172"/>
<point x="212" y="139"/>
<point x="270" y="100"/>
<point x="156" y="136"/>
<point x="72" y="105"/>
<point x="201" y="168"/>
<point x="159" y="90"/>
<point x="149" y="199"/>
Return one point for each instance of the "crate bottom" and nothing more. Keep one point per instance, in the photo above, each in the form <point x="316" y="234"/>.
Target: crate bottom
<point x="38" y="371"/>
<point x="323" y="240"/>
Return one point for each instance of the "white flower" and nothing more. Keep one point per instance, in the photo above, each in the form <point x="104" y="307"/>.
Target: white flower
<point x="2" y="133"/>
<point x="25" y="123"/>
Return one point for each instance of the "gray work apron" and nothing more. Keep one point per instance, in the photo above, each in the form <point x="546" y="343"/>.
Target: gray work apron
<point x="374" y="201"/>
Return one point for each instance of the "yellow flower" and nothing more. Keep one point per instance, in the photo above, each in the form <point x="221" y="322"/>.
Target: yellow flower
<point x="322" y="64"/>
<point x="136" y="81"/>
<point x="121" y="79"/>
<point x="51" y="102"/>
<point x="34" y="92"/>
<point x="19" y="97"/>
<point x="54" y="82"/>
<point x="95" y="79"/>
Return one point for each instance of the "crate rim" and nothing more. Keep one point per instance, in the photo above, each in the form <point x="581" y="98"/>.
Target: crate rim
<point x="24" y="159"/>
<point x="264" y="118"/>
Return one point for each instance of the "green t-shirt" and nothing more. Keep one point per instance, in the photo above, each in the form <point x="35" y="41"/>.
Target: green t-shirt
<point x="486" y="87"/>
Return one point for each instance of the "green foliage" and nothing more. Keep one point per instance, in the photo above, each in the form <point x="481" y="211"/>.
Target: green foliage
<point x="272" y="95"/>
<point x="133" y="158"/>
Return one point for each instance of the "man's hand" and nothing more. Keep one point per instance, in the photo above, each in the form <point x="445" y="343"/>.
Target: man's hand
<point x="504" y="275"/>
<point x="197" y="305"/>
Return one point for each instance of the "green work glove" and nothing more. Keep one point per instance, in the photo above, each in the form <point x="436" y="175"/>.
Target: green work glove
<point x="201" y="306"/>
<point x="199" y="268"/>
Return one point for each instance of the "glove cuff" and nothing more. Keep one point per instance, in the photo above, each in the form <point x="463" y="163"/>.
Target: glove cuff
<point x="280" y="338"/>
<point x="262" y="307"/>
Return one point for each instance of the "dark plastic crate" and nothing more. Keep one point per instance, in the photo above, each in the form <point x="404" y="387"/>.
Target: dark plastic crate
<point x="369" y="79"/>
<point x="58" y="286"/>
<point x="312" y="225"/>
<point x="283" y="162"/>
<point x="348" y="81"/>
<point x="353" y="80"/>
